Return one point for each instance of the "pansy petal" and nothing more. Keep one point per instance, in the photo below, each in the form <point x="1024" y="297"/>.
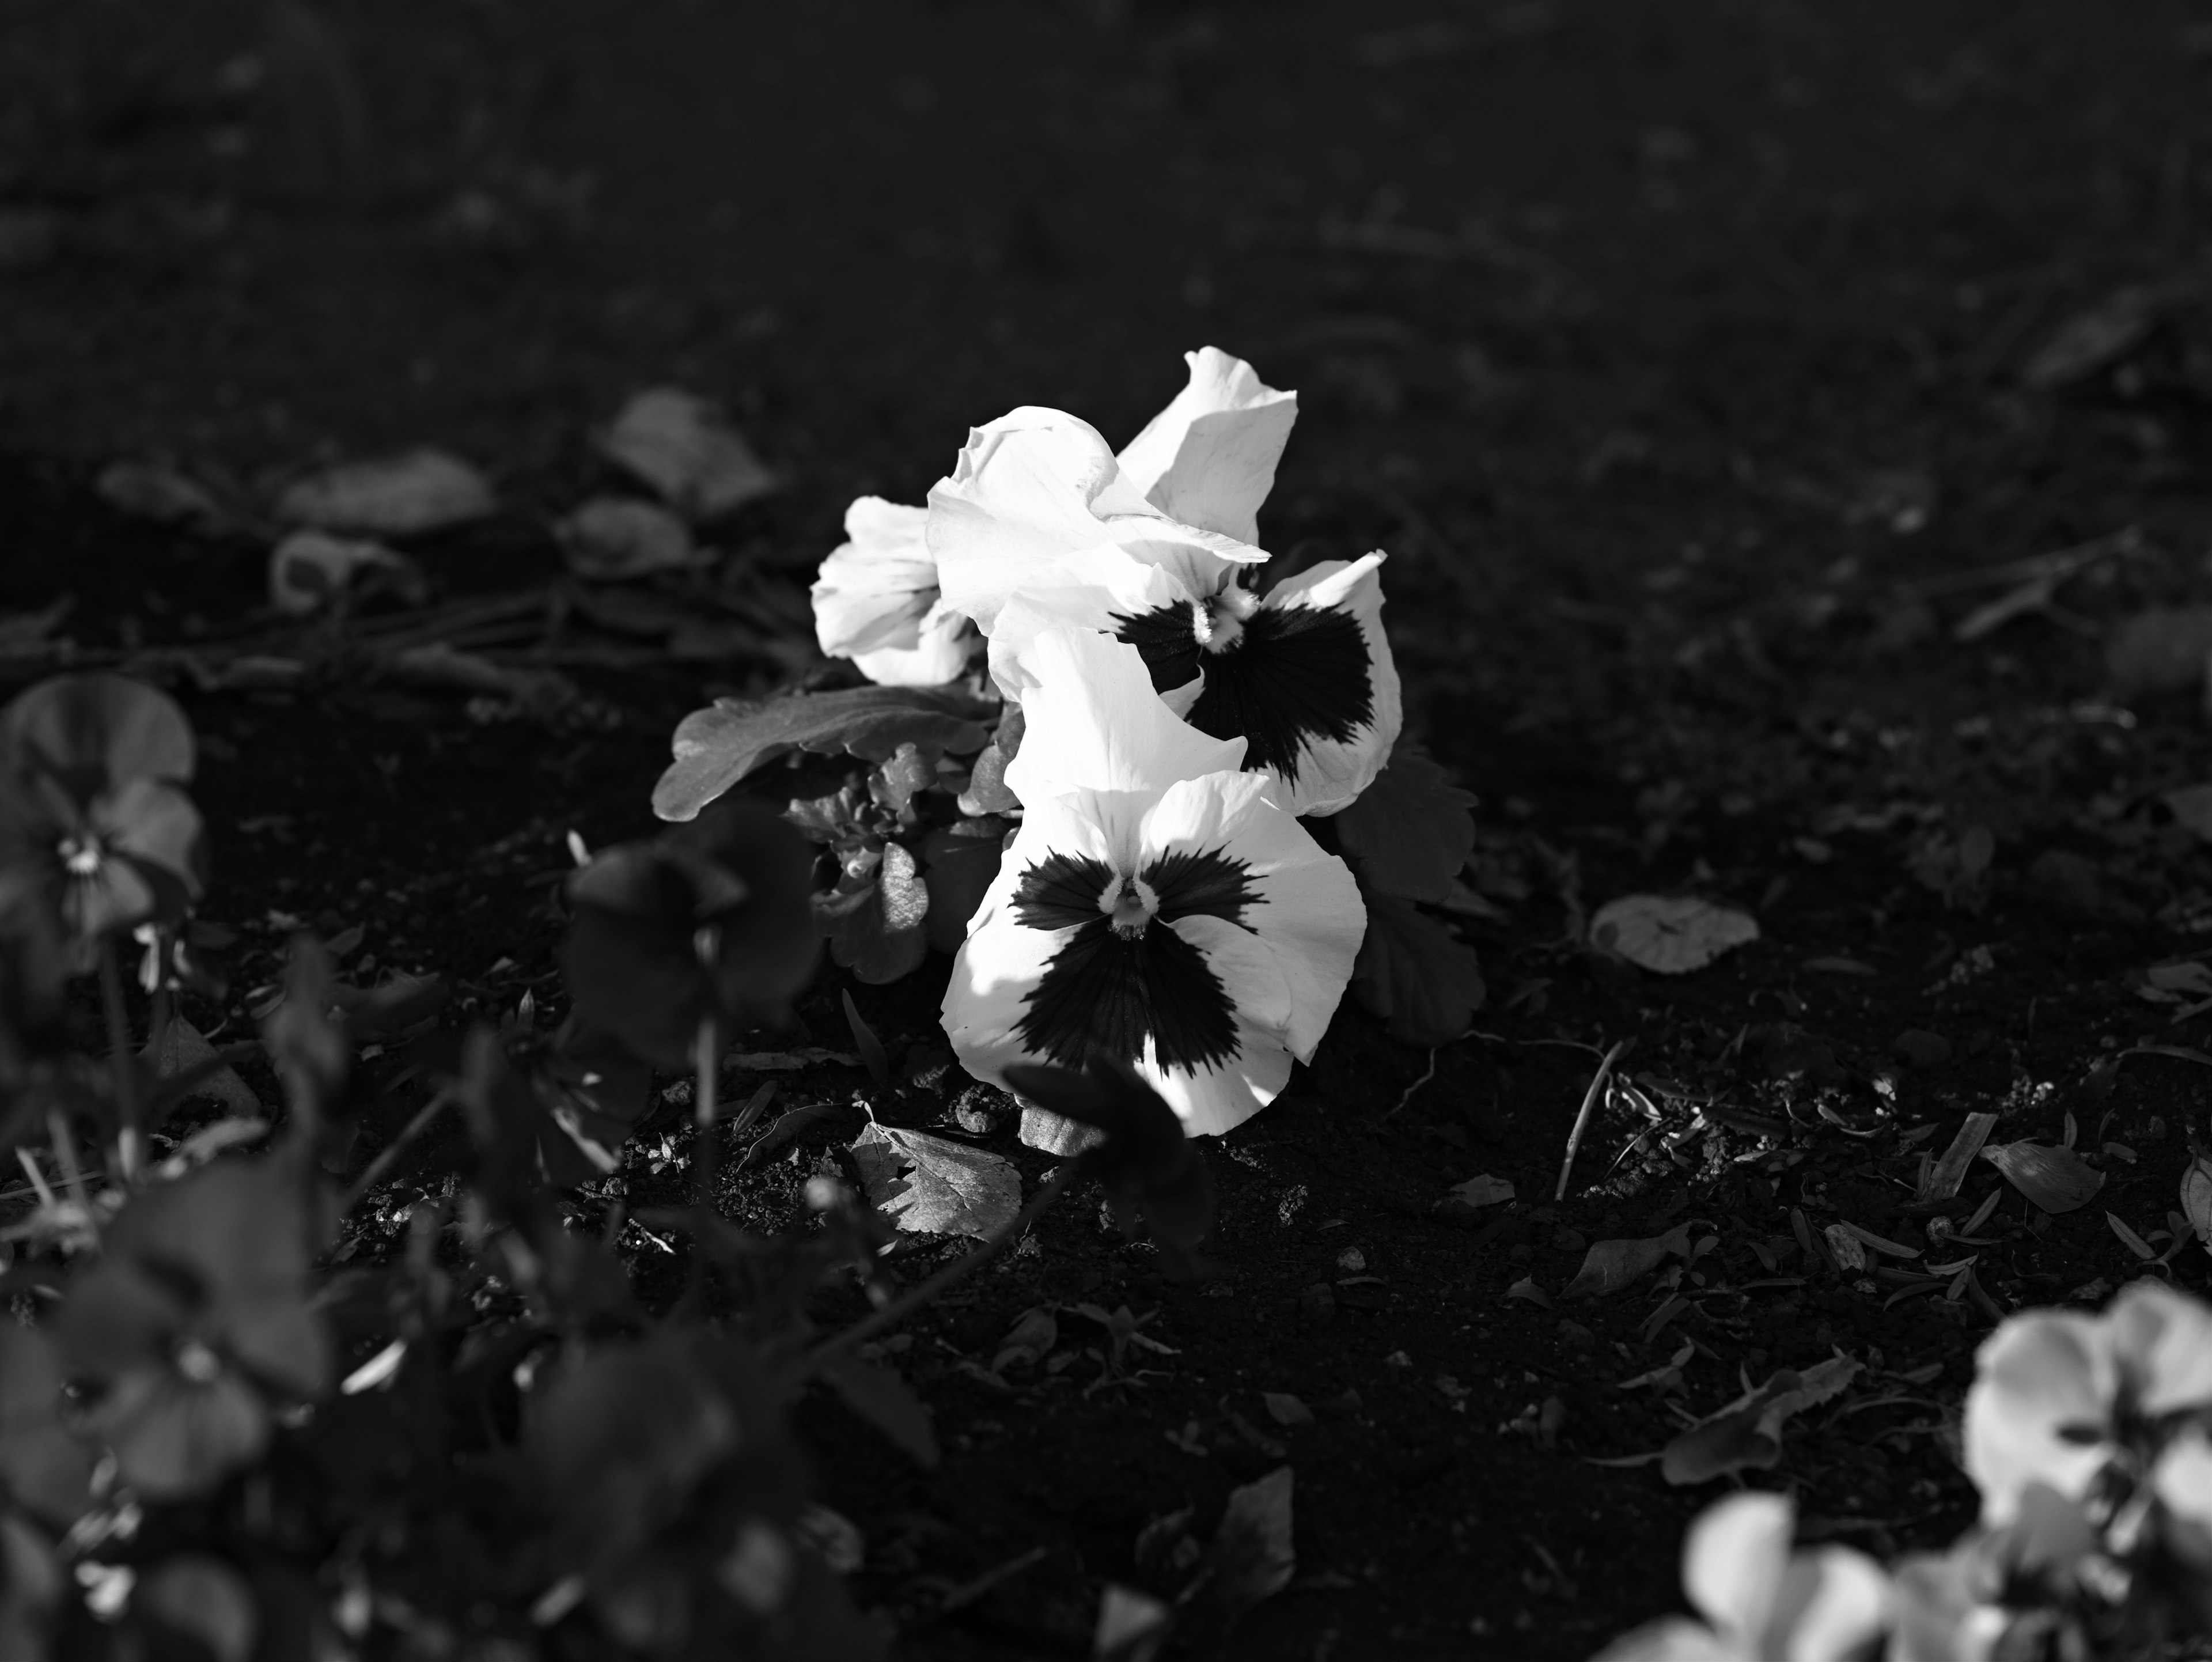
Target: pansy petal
<point x="1092" y="721"/>
<point x="1208" y="459"/>
<point x="153" y="821"/>
<point x="876" y="587"/>
<point x="943" y="641"/>
<point x="2039" y="1377"/>
<point x="1032" y="486"/>
<point x="1215" y="1099"/>
<point x="1249" y="971"/>
<point x="1095" y="590"/>
<point x="1311" y="683"/>
<point x="1305" y="906"/>
<point x="2182" y="1480"/>
<point x="2162" y="1342"/>
<point x="1831" y="1604"/>
<point x="1940" y="1616"/>
<point x="1733" y="1563"/>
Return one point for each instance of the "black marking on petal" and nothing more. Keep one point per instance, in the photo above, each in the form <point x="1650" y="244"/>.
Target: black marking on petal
<point x="1211" y="881"/>
<point x="1104" y="993"/>
<point x="1166" y="637"/>
<point x="1296" y="672"/>
<point x="1061" y="890"/>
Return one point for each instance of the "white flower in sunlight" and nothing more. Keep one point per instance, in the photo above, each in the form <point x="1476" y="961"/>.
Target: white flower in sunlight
<point x="1040" y="526"/>
<point x="1303" y="673"/>
<point x="877" y="602"/>
<point x="1158" y="904"/>
<point x="2058" y="1393"/>
<point x="1208" y="460"/>
<point x="1761" y="1602"/>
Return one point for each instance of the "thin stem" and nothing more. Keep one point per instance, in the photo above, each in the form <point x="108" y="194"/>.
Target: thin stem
<point x="390" y="1152"/>
<point x="1583" y="1119"/>
<point x="65" y="1157"/>
<point x="127" y="1109"/>
<point x="706" y="1065"/>
<point x="837" y="1344"/>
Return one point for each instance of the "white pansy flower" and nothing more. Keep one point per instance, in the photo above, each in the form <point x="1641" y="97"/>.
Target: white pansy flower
<point x="1158" y="904"/>
<point x="1303" y="673"/>
<point x="877" y="601"/>
<point x="1041" y="525"/>
<point x="1762" y="1602"/>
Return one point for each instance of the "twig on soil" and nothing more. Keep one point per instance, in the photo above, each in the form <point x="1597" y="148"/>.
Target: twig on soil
<point x="1589" y="1107"/>
<point x="1406" y="1096"/>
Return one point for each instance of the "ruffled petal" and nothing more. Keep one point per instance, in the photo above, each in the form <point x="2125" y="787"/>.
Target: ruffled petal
<point x="1733" y="1563"/>
<point x="944" y="642"/>
<point x="1030" y="487"/>
<point x="877" y="587"/>
<point x="1338" y="756"/>
<point x="1208" y="459"/>
<point x="1092" y="721"/>
<point x="2037" y="1378"/>
<point x="1092" y="590"/>
<point x="1306" y="910"/>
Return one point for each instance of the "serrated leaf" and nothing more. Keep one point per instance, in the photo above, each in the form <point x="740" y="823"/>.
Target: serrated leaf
<point x="1252" y="1555"/>
<point x="1669" y="935"/>
<point x="1423" y="980"/>
<point x="1608" y="1266"/>
<point x="1408" y="833"/>
<point x="716" y="747"/>
<point x="929" y="1185"/>
<point x="887" y="1403"/>
<point x="1748" y="1432"/>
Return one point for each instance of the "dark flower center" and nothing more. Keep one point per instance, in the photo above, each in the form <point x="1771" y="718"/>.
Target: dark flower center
<point x="1123" y="976"/>
<point x="1286" y="675"/>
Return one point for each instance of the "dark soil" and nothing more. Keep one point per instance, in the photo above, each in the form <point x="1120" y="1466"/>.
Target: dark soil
<point x="1666" y="347"/>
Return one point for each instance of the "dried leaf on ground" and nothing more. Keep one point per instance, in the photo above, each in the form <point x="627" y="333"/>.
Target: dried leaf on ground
<point x="612" y="538"/>
<point x="2196" y="1199"/>
<point x="1252" y="1557"/>
<point x="2101" y="335"/>
<point x="311" y="569"/>
<point x="1132" y="1625"/>
<point x="1748" y="1432"/>
<point x="1608" y="1266"/>
<point x="2160" y="648"/>
<point x="402" y="496"/>
<point x="1484" y="1191"/>
<point x="2052" y="1176"/>
<point x="161" y="493"/>
<point x="684" y="447"/>
<point x="1423" y="980"/>
<point x="1670" y="935"/>
<point x="927" y="1185"/>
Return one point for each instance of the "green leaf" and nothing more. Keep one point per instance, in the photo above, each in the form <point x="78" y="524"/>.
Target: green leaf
<point x="1422" y="979"/>
<point x="717" y="746"/>
<point x="887" y="1403"/>
<point x="929" y="1185"/>
<point x="1409" y="832"/>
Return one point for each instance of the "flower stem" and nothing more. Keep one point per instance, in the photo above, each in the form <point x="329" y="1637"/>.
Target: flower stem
<point x="838" y="1344"/>
<point x="373" y="1175"/>
<point x="129" y="1129"/>
<point x="1583" y="1119"/>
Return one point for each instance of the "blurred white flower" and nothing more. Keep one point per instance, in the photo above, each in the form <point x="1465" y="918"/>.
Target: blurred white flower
<point x="1761" y="1602"/>
<point x="2057" y="1394"/>
<point x="877" y="601"/>
<point x="1157" y="905"/>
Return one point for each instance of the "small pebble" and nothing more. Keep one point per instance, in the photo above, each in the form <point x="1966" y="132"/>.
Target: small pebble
<point x="1351" y="1261"/>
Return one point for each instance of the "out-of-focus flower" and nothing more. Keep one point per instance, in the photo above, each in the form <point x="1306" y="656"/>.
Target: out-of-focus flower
<point x="877" y="602"/>
<point x="1157" y="905"/>
<point x="2058" y="1394"/>
<point x="96" y="832"/>
<point x="1761" y="1602"/>
<point x="1952" y="1606"/>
